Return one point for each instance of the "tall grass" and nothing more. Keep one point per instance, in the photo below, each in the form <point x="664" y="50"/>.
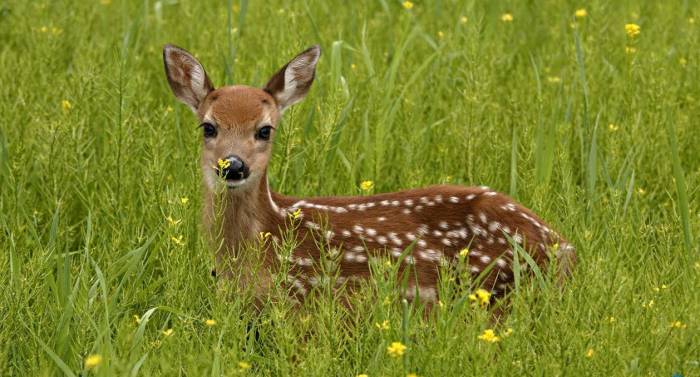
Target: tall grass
<point x="102" y="252"/>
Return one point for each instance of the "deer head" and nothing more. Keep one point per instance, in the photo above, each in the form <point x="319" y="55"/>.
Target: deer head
<point x="238" y="122"/>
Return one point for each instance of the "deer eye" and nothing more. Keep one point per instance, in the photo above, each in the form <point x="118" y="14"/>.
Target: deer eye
<point x="209" y="130"/>
<point x="264" y="133"/>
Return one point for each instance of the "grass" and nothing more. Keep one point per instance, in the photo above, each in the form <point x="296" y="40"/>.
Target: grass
<point x="102" y="251"/>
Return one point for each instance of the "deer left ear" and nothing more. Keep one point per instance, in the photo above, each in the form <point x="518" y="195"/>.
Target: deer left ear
<point x="291" y="83"/>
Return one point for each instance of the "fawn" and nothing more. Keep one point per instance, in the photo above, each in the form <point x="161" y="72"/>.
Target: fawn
<point x="422" y="229"/>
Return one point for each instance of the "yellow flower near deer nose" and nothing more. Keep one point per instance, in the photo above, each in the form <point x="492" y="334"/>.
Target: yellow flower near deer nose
<point x="223" y="164"/>
<point x="396" y="349"/>
<point x="366" y="185"/>
<point x="93" y="361"/>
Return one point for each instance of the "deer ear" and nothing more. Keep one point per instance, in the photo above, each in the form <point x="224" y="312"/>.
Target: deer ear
<point x="291" y="83"/>
<point x="186" y="76"/>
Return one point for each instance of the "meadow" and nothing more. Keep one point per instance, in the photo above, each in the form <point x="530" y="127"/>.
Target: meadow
<point x="588" y="120"/>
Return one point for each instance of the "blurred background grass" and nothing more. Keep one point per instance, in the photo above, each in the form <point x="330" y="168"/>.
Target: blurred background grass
<point x="595" y="130"/>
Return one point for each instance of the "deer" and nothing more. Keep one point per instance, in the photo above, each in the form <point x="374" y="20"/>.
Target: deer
<point x="421" y="229"/>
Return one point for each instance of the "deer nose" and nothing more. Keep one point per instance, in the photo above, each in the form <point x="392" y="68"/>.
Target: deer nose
<point x="232" y="168"/>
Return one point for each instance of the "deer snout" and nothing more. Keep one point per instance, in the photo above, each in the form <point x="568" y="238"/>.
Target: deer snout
<point x="232" y="168"/>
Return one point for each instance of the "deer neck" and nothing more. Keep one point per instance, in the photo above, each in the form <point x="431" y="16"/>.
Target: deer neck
<point x="238" y="215"/>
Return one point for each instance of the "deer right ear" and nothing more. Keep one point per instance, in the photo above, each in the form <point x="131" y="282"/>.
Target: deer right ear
<point x="186" y="76"/>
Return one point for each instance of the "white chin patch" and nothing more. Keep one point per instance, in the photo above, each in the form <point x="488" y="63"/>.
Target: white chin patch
<point x="234" y="184"/>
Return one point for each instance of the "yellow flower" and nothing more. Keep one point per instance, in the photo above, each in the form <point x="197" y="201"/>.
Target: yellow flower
<point x="507" y="17"/>
<point x="396" y="349"/>
<point x="489" y="336"/>
<point x="43" y="29"/>
<point x="464" y="252"/>
<point x="353" y="66"/>
<point x="411" y="375"/>
<point x="178" y="240"/>
<point x="210" y="322"/>
<point x="168" y="109"/>
<point x="66" y="105"/>
<point x="481" y="296"/>
<point x="440" y="34"/>
<point x="611" y="319"/>
<point x="366" y="185"/>
<point x="648" y="305"/>
<point x="691" y="20"/>
<point x="682" y="61"/>
<point x="630" y="50"/>
<point x="632" y="30"/>
<point x="168" y="332"/>
<point x="641" y="191"/>
<point x="678" y="325"/>
<point x="223" y="164"/>
<point x="590" y="353"/>
<point x="264" y="235"/>
<point x="613" y="127"/>
<point x="581" y="13"/>
<point x="407" y="5"/>
<point x="382" y="326"/>
<point x="553" y="79"/>
<point x="508" y="332"/>
<point x="93" y="361"/>
<point x="242" y="365"/>
<point x="184" y="200"/>
<point x="172" y="221"/>
<point x="362" y="375"/>
<point x="296" y="214"/>
<point x="463" y="20"/>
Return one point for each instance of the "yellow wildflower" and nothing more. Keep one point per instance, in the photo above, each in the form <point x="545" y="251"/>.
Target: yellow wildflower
<point x="223" y="164"/>
<point x="641" y="191"/>
<point x="648" y="305"/>
<point x="481" y="296"/>
<point x="366" y="185"/>
<point x="396" y="349"/>
<point x="464" y="252"/>
<point x="489" y="336"/>
<point x="507" y="17"/>
<point x="184" y="200"/>
<point x="66" y="105"/>
<point x="633" y="30"/>
<point x="440" y="34"/>
<point x="168" y="109"/>
<point x="611" y="319"/>
<point x="463" y="20"/>
<point x="508" y="332"/>
<point x="613" y="127"/>
<point x="296" y="214"/>
<point x="407" y="5"/>
<point x="678" y="325"/>
<point x="691" y="20"/>
<point x="178" y="240"/>
<point x="210" y="322"/>
<point x="93" y="361"/>
<point x="590" y="353"/>
<point x="168" y="332"/>
<point x="43" y="29"/>
<point x="383" y="326"/>
<point x="682" y="61"/>
<point x="264" y="235"/>
<point x="362" y="375"/>
<point x="172" y="221"/>
<point x="242" y="365"/>
<point x="353" y="66"/>
<point x="411" y="375"/>
<point x="581" y="13"/>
